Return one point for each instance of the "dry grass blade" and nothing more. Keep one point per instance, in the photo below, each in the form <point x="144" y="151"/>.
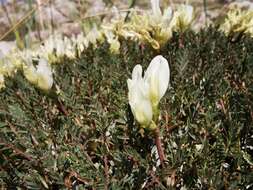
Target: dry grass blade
<point x="21" y="21"/>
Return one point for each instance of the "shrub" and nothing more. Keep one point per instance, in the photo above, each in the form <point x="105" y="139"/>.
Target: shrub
<point x="82" y="132"/>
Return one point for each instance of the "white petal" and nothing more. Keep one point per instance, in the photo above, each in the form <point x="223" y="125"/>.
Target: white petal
<point x="137" y="72"/>
<point x="182" y="17"/>
<point x="30" y="73"/>
<point x="164" y="76"/>
<point x="139" y="102"/>
<point x="134" y="94"/>
<point x="167" y="16"/>
<point x="143" y="112"/>
<point x="2" y="85"/>
<point x="157" y="76"/>
<point x="45" y="76"/>
<point x="43" y="67"/>
<point x="156" y="8"/>
<point x="189" y="11"/>
<point x="129" y="84"/>
<point x="131" y="96"/>
<point x="167" y="13"/>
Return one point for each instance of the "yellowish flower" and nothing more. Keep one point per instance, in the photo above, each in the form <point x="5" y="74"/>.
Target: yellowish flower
<point x="41" y="76"/>
<point x="238" y="20"/>
<point x="70" y="48"/>
<point x="249" y="29"/>
<point x="30" y="73"/>
<point x="182" y="18"/>
<point x="45" y="75"/>
<point x="94" y="36"/>
<point x="80" y="42"/>
<point x="6" y="67"/>
<point x="113" y="41"/>
<point x="2" y="85"/>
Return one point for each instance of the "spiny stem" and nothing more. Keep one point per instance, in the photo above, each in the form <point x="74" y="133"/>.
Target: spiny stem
<point x="159" y="146"/>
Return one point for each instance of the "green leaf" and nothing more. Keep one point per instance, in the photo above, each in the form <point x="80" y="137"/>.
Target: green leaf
<point x="17" y="112"/>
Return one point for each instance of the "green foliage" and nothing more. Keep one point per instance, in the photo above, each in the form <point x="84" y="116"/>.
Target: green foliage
<point x="83" y="131"/>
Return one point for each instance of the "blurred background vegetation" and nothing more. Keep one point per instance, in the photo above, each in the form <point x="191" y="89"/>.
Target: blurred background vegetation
<point x="30" y="21"/>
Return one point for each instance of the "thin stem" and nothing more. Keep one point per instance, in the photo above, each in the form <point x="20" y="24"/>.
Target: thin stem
<point x="61" y="107"/>
<point x="22" y="20"/>
<point x="159" y="146"/>
<point x="109" y="12"/>
<point x="41" y="23"/>
<point x="106" y="169"/>
<point x="131" y="5"/>
<point x="205" y="10"/>
<point x="16" y="151"/>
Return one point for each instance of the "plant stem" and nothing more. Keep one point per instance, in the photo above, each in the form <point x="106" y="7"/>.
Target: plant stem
<point x="205" y="10"/>
<point x="159" y="146"/>
<point x="106" y="172"/>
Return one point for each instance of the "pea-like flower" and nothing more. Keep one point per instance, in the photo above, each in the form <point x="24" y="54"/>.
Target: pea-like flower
<point x="146" y="92"/>
<point x="157" y="13"/>
<point x="45" y="75"/>
<point x="2" y="85"/>
<point x="112" y="39"/>
<point x="182" y="18"/>
<point x="41" y="76"/>
<point x="238" y="21"/>
<point x="157" y="77"/>
<point x="139" y="98"/>
<point x="94" y="35"/>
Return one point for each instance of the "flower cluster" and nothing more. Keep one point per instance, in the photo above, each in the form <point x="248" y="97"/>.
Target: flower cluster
<point x="146" y="92"/>
<point x="238" y="21"/>
<point x="55" y="48"/>
<point x="40" y="76"/>
<point x="156" y="27"/>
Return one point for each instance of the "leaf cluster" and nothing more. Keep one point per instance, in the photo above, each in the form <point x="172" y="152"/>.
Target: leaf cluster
<point x="82" y="133"/>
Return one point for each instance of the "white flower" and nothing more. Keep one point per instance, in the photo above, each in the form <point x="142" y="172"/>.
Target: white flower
<point x="167" y="16"/>
<point x="81" y="43"/>
<point x="112" y="39"/>
<point x="2" y="85"/>
<point x="157" y="18"/>
<point x="7" y="67"/>
<point x="41" y="76"/>
<point x="159" y="23"/>
<point x="30" y="73"/>
<point x="238" y="21"/>
<point x="94" y="36"/>
<point x="182" y="18"/>
<point x="138" y="97"/>
<point x="157" y="77"/>
<point x="45" y="75"/>
<point x="69" y="46"/>
<point x="146" y="92"/>
<point x="157" y="13"/>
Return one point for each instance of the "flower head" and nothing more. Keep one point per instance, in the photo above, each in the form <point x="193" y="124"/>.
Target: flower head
<point x="44" y="74"/>
<point x="238" y="21"/>
<point x="112" y="39"/>
<point x="157" y="77"/>
<point x="138" y="97"/>
<point x="41" y="76"/>
<point x="157" y="13"/>
<point x="182" y="18"/>
<point x="2" y="85"/>
<point x="146" y="92"/>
